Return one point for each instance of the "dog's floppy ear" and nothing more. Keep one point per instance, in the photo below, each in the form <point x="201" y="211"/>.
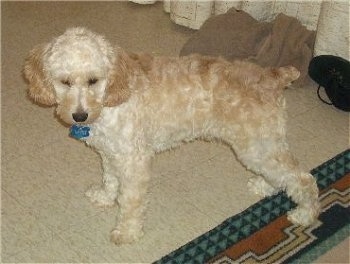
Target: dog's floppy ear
<point x="40" y="87"/>
<point x="118" y="90"/>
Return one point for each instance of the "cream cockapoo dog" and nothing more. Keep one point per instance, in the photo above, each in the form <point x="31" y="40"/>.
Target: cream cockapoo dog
<point x="137" y="105"/>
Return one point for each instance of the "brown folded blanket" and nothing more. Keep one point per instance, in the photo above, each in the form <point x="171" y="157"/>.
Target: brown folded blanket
<point x="237" y="35"/>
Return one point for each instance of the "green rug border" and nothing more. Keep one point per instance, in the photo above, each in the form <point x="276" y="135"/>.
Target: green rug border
<point x="242" y="225"/>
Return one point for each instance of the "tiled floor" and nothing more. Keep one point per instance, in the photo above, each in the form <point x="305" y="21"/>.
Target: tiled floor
<point x="45" y="216"/>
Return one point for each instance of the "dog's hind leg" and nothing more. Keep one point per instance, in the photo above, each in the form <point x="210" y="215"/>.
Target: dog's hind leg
<point x="259" y="186"/>
<point x="280" y="170"/>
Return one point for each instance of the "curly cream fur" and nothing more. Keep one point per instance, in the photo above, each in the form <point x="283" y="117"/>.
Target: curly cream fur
<point x="138" y="105"/>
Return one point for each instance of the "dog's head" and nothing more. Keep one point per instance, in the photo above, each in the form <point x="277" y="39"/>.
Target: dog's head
<point x="80" y="73"/>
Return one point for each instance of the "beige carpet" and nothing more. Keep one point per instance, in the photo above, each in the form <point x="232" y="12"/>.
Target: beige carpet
<point x="45" y="216"/>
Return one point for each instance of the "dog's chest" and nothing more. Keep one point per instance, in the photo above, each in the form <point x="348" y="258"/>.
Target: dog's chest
<point x="112" y="133"/>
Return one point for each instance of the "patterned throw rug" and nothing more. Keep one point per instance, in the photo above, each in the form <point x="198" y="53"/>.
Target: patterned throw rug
<point x="262" y="233"/>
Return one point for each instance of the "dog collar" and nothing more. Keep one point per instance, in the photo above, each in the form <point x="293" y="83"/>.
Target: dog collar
<point x="79" y="132"/>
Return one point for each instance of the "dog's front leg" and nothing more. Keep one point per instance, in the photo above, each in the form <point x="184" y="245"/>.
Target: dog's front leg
<point x="106" y="194"/>
<point x="134" y="178"/>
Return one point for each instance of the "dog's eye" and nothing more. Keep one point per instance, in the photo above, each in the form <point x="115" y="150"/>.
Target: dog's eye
<point x="66" y="82"/>
<point x="92" y="81"/>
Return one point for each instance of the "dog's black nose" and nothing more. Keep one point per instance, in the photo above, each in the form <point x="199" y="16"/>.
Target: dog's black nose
<point x="80" y="116"/>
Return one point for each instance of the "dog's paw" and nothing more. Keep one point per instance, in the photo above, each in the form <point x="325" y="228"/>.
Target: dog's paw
<point x="260" y="187"/>
<point x="100" y="197"/>
<point x="120" y="237"/>
<point x="303" y="216"/>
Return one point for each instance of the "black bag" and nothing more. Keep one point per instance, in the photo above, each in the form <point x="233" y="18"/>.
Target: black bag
<point x="332" y="73"/>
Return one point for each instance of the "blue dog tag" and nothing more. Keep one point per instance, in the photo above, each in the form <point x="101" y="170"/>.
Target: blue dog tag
<point x="79" y="132"/>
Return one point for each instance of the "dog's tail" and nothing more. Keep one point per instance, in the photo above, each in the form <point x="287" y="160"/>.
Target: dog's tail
<point x="274" y="81"/>
<point x="286" y="75"/>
